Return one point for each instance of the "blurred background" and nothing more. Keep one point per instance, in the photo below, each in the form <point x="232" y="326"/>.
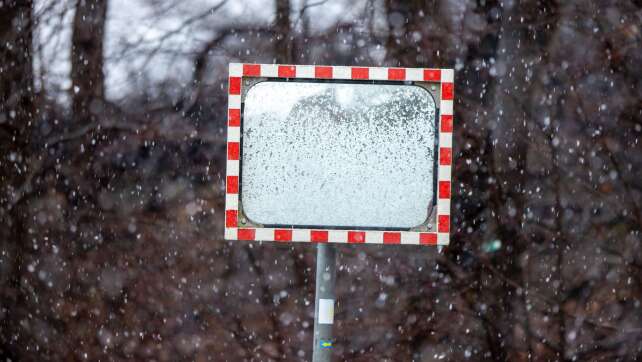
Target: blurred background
<point x="112" y="142"/>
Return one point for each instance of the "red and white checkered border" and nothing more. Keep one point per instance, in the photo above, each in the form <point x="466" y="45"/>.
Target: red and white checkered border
<point x="445" y="77"/>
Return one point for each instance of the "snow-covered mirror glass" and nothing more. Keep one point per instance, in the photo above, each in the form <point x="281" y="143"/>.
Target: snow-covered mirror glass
<point x="337" y="154"/>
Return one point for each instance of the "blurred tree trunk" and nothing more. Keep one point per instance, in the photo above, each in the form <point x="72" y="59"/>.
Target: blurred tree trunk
<point x="301" y="47"/>
<point x="16" y="122"/>
<point x="406" y="31"/>
<point x="17" y="106"/>
<point x="282" y="26"/>
<point x="87" y="58"/>
<point x="519" y="60"/>
<point x="16" y="69"/>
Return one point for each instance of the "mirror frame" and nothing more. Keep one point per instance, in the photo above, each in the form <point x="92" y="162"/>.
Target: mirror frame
<point x="438" y="82"/>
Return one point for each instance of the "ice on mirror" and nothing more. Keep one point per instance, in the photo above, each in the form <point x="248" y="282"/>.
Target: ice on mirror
<point x="337" y="154"/>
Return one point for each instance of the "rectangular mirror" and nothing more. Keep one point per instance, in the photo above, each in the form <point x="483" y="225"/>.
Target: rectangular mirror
<point x="337" y="154"/>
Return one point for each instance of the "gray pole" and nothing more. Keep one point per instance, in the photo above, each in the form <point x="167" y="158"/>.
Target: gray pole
<point x="324" y="303"/>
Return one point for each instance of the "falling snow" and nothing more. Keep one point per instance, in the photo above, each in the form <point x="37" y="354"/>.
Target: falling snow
<point x="113" y="116"/>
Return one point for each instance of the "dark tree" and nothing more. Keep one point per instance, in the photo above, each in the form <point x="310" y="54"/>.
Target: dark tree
<point x="87" y="58"/>
<point x="17" y="120"/>
<point x="282" y="27"/>
<point x="408" y="23"/>
<point x="16" y="73"/>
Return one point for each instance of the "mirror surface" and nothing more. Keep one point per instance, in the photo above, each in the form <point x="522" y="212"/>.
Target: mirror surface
<point x="337" y="154"/>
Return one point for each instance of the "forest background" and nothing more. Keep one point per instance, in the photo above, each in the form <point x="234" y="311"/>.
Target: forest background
<point x="112" y="143"/>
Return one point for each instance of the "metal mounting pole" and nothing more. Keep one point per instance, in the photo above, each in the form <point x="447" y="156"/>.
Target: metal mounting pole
<point x="324" y="303"/>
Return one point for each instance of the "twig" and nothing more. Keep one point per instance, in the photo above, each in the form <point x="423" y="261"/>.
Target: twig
<point x="303" y="10"/>
<point x="179" y="29"/>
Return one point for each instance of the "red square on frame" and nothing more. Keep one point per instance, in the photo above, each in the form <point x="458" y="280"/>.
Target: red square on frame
<point x="232" y="184"/>
<point x="246" y="234"/>
<point x="432" y="75"/>
<point x="396" y="74"/>
<point x="319" y="236"/>
<point x="446" y="124"/>
<point x="356" y="237"/>
<point x="428" y="239"/>
<point x="282" y="235"/>
<point x="443" y="223"/>
<point x="231" y="218"/>
<point x="447" y="90"/>
<point x="233" y="151"/>
<point x="252" y="70"/>
<point x="391" y="237"/>
<point x="235" y="85"/>
<point x="445" y="156"/>
<point x="444" y="189"/>
<point x="234" y="117"/>
<point x="360" y="73"/>
<point x="287" y="71"/>
<point x="323" y="72"/>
